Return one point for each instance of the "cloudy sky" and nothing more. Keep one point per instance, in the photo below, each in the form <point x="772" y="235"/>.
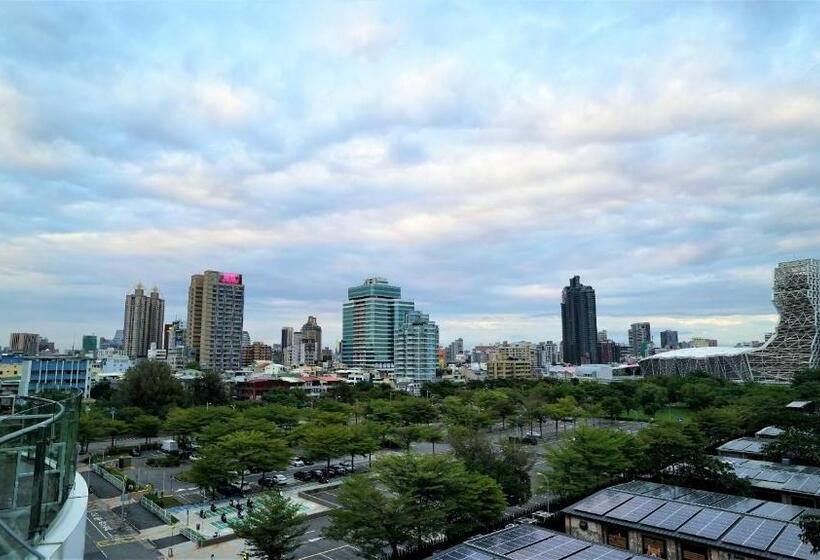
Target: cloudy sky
<point x="476" y="154"/>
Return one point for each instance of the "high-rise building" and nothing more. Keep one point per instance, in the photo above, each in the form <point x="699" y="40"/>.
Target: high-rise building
<point x="144" y="321"/>
<point x="216" y="305"/>
<point x="119" y="338"/>
<point x="246" y="338"/>
<point x="700" y="342"/>
<point x="89" y="343"/>
<point x="370" y="317"/>
<point x="510" y="361"/>
<point x="640" y="335"/>
<point x="256" y="352"/>
<point x="669" y="339"/>
<point x="27" y="344"/>
<point x="579" y="322"/>
<point x="311" y="342"/>
<point x="416" y="348"/>
<point x="453" y="350"/>
<point x="608" y="352"/>
<point x="287" y="337"/>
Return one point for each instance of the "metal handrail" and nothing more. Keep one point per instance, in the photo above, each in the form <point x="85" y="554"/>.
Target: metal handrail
<point x="54" y="417"/>
<point x="5" y="529"/>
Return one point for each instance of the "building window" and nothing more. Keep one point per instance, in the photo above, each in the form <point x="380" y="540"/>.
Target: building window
<point x="693" y="552"/>
<point x="654" y="547"/>
<point x="617" y="537"/>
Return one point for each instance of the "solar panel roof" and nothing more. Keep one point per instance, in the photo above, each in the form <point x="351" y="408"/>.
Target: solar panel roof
<point x="668" y="492"/>
<point x="639" y="486"/>
<point x="555" y="548"/>
<point x="602" y="502"/>
<point x="671" y="516"/>
<point x="702" y="497"/>
<point x="739" y="503"/>
<point x="514" y="538"/>
<point x="806" y="483"/>
<point x="788" y="543"/>
<point x="776" y="510"/>
<point x="754" y="532"/>
<point x="636" y="509"/>
<point x="464" y="552"/>
<point x="709" y="523"/>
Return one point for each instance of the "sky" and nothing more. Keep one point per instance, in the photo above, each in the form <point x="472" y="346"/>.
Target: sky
<point x="477" y="154"/>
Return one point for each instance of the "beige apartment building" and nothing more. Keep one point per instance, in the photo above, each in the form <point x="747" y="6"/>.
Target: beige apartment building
<point x="216" y="305"/>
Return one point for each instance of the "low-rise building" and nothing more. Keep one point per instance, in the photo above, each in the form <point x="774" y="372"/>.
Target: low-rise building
<point x="677" y="523"/>
<point x="55" y="373"/>
<point x="790" y="484"/>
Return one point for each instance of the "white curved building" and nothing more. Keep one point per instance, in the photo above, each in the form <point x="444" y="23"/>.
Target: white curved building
<point x="794" y="345"/>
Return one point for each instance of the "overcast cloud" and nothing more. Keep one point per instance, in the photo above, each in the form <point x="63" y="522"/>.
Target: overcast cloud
<point x="476" y="154"/>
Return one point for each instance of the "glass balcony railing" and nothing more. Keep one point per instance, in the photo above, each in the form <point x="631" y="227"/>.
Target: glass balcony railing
<point x="38" y="457"/>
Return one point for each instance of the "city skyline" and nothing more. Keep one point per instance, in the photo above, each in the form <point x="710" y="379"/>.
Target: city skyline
<point x="481" y="167"/>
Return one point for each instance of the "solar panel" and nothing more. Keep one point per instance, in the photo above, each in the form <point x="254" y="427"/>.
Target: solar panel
<point x="709" y="523"/>
<point x="598" y="552"/>
<point x="671" y="516"/>
<point x="754" y="532"/>
<point x="669" y="492"/>
<point x="703" y="498"/>
<point x="511" y="539"/>
<point x="602" y="502"/>
<point x="636" y="509"/>
<point x="755" y="447"/>
<point x="734" y="445"/>
<point x="807" y="483"/>
<point x="789" y="544"/>
<point x="556" y="548"/>
<point x="463" y="552"/>
<point x="747" y="472"/>
<point x="638" y="486"/>
<point x="739" y="503"/>
<point x="776" y="510"/>
<point x="772" y="475"/>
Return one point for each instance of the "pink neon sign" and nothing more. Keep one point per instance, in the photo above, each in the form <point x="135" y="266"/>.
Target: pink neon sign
<point x="230" y="278"/>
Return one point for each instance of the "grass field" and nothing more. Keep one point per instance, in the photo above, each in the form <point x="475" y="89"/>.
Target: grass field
<point x="670" y="413"/>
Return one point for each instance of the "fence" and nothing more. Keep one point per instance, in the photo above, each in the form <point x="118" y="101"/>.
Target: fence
<point x="108" y="477"/>
<point x="157" y="510"/>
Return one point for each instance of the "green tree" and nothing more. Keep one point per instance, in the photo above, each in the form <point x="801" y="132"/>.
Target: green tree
<point x="591" y="458"/>
<point x="114" y="428"/>
<point x="146" y="426"/>
<point x="325" y="442"/>
<point x="253" y="451"/>
<point x="151" y="386"/>
<point x="810" y="531"/>
<point x="802" y="446"/>
<point x="662" y="444"/>
<point x="432" y="434"/>
<point x="720" y="424"/>
<point x="369" y="518"/>
<point x="439" y="493"/>
<point x="211" y="472"/>
<point x="706" y="473"/>
<point x="102" y="391"/>
<point x="360" y="441"/>
<point x="406" y="435"/>
<point x="91" y="427"/>
<point x="651" y="397"/>
<point x="209" y="388"/>
<point x="272" y="527"/>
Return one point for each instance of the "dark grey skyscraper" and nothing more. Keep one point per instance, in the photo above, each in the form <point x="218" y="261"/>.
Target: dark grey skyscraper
<point x="669" y="339"/>
<point x="579" y="322"/>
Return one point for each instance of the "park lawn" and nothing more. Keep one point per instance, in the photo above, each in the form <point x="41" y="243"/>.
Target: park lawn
<point x="669" y="413"/>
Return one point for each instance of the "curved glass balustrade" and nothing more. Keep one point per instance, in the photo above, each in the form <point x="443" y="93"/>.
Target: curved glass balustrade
<point x="38" y="458"/>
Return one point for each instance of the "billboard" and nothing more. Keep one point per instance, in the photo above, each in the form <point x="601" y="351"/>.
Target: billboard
<point x="230" y="278"/>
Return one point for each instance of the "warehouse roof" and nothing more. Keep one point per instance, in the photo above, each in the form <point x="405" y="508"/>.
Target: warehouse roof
<point x="746" y="525"/>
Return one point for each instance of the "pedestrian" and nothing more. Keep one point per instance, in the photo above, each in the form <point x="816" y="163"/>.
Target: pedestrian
<point x="212" y="557"/>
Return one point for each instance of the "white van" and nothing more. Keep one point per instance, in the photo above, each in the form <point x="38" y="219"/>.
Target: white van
<point x="169" y="446"/>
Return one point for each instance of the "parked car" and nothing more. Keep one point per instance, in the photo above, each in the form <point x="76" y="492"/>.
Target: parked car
<point x="267" y="481"/>
<point x="305" y="460"/>
<point x="319" y="475"/>
<point x="304" y="476"/>
<point x="534" y="434"/>
<point x="228" y="490"/>
<point x="241" y="487"/>
<point x="169" y="446"/>
<point x="136" y="452"/>
<point x="297" y="463"/>
<point x="529" y="440"/>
